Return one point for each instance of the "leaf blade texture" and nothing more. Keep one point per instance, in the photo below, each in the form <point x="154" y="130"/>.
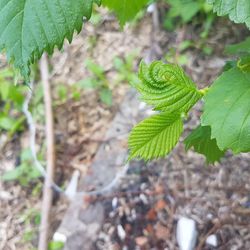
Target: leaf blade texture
<point x="227" y="110"/>
<point x="30" y="27"/>
<point x="155" y="136"/>
<point x="167" y="87"/>
<point x="237" y="10"/>
<point x="200" y="140"/>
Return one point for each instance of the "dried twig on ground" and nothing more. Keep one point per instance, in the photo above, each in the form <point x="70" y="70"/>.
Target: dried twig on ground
<point x="47" y="191"/>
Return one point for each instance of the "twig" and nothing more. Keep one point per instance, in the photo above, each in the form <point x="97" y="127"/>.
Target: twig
<point x="47" y="191"/>
<point x="155" y="17"/>
<point x="211" y="231"/>
<point x="32" y="130"/>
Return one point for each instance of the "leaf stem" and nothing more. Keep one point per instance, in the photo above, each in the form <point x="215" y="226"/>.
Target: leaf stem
<point x="204" y="91"/>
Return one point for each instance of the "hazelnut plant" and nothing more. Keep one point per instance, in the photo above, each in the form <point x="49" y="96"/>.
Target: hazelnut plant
<point x="28" y="28"/>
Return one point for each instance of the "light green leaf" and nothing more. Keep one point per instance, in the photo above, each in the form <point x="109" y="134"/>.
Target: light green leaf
<point x="96" y="69"/>
<point x="239" y="48"/>
<point x="6" y="122"/>
<point x="227" y="110"/>
<point x="167" y="87"/>
<point x="238" y="10"/>
<point x="12" y="175"/>
<point x="106" y="96"/>
<point x="30" y="27"/>
<point x="200" y="140"/>
<point x="56" y="245"/>
<point x="155" y="136"/>
<point x="125" y="10"/>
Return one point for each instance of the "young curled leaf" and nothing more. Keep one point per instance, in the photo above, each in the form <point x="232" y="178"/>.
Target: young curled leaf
<point x="167" y="87"/>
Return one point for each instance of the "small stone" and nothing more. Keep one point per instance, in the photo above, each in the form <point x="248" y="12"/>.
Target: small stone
<point x="212" y="240"/>
<point x="59" y="237"/>
<point x="144" y="198"/>
<point x="5" y="196"/>
<point x="71" y="189"/>
<point x="210" y="216"/>
<point x="121" y="232"/>
<point x="186" y="233"/>
<point x="114" y="202"/>
<point x="151" y="8"/>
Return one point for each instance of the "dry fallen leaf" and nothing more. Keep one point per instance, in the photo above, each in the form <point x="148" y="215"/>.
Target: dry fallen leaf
<point x="151" y="214"/>
<point x="160" y="204"/>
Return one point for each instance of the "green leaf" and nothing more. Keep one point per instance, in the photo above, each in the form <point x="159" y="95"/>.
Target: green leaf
<point x="229" y="65"/>
<point x="200" y="140"/>
<point x="167" y="87"/>
<point x="96" y="69"/>
<point x="106" y="96"/>
<point x="186" y="9"/>
<point x="155" y="136"/>
<point x="12" y="175"/>
<point x="125" y="10"/>
<point x="238" y="10"/>
<point x="56" y="245"/>
<point x="30" y="27"/>
<point x="227" y="110"/>
<point x="244" y="63"/>
<point x="88" y="83"/>
<point x="6" y="122"/>
<point x="239" y="48"/>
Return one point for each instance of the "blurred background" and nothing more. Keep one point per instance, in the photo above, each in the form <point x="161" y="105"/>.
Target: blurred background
<point x="94" y="108"/>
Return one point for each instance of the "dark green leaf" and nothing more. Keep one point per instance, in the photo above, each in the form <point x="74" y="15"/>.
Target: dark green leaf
<point x="239" y="48"/>
<point x="30" y="27"/>
<point x="227" y="110"/>
<point x="125" y="10"/>
<point x="200" y="140"/>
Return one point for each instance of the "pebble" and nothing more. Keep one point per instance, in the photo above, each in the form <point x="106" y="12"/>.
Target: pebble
<point x="151" y="8"/>
<point x="210" y="216"/>
<point x="186" y="233"/>
<point x="212" y="240"/>
<point x="114" y="202"/>
<point x="144" y="198"/>
<point x="71" y="189"/>
<point x="121" y="232"/>
<point x="59" y="237"/>
<point x="5" y="195"/>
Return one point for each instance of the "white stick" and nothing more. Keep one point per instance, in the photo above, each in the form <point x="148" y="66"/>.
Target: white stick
<point x="47" y="191"/>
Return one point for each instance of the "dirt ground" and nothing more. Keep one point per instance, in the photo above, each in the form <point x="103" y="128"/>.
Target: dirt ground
<point x="151" y="196"/>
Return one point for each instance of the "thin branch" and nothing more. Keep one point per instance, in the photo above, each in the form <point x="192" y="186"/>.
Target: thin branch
<point x="47" y="191"/>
